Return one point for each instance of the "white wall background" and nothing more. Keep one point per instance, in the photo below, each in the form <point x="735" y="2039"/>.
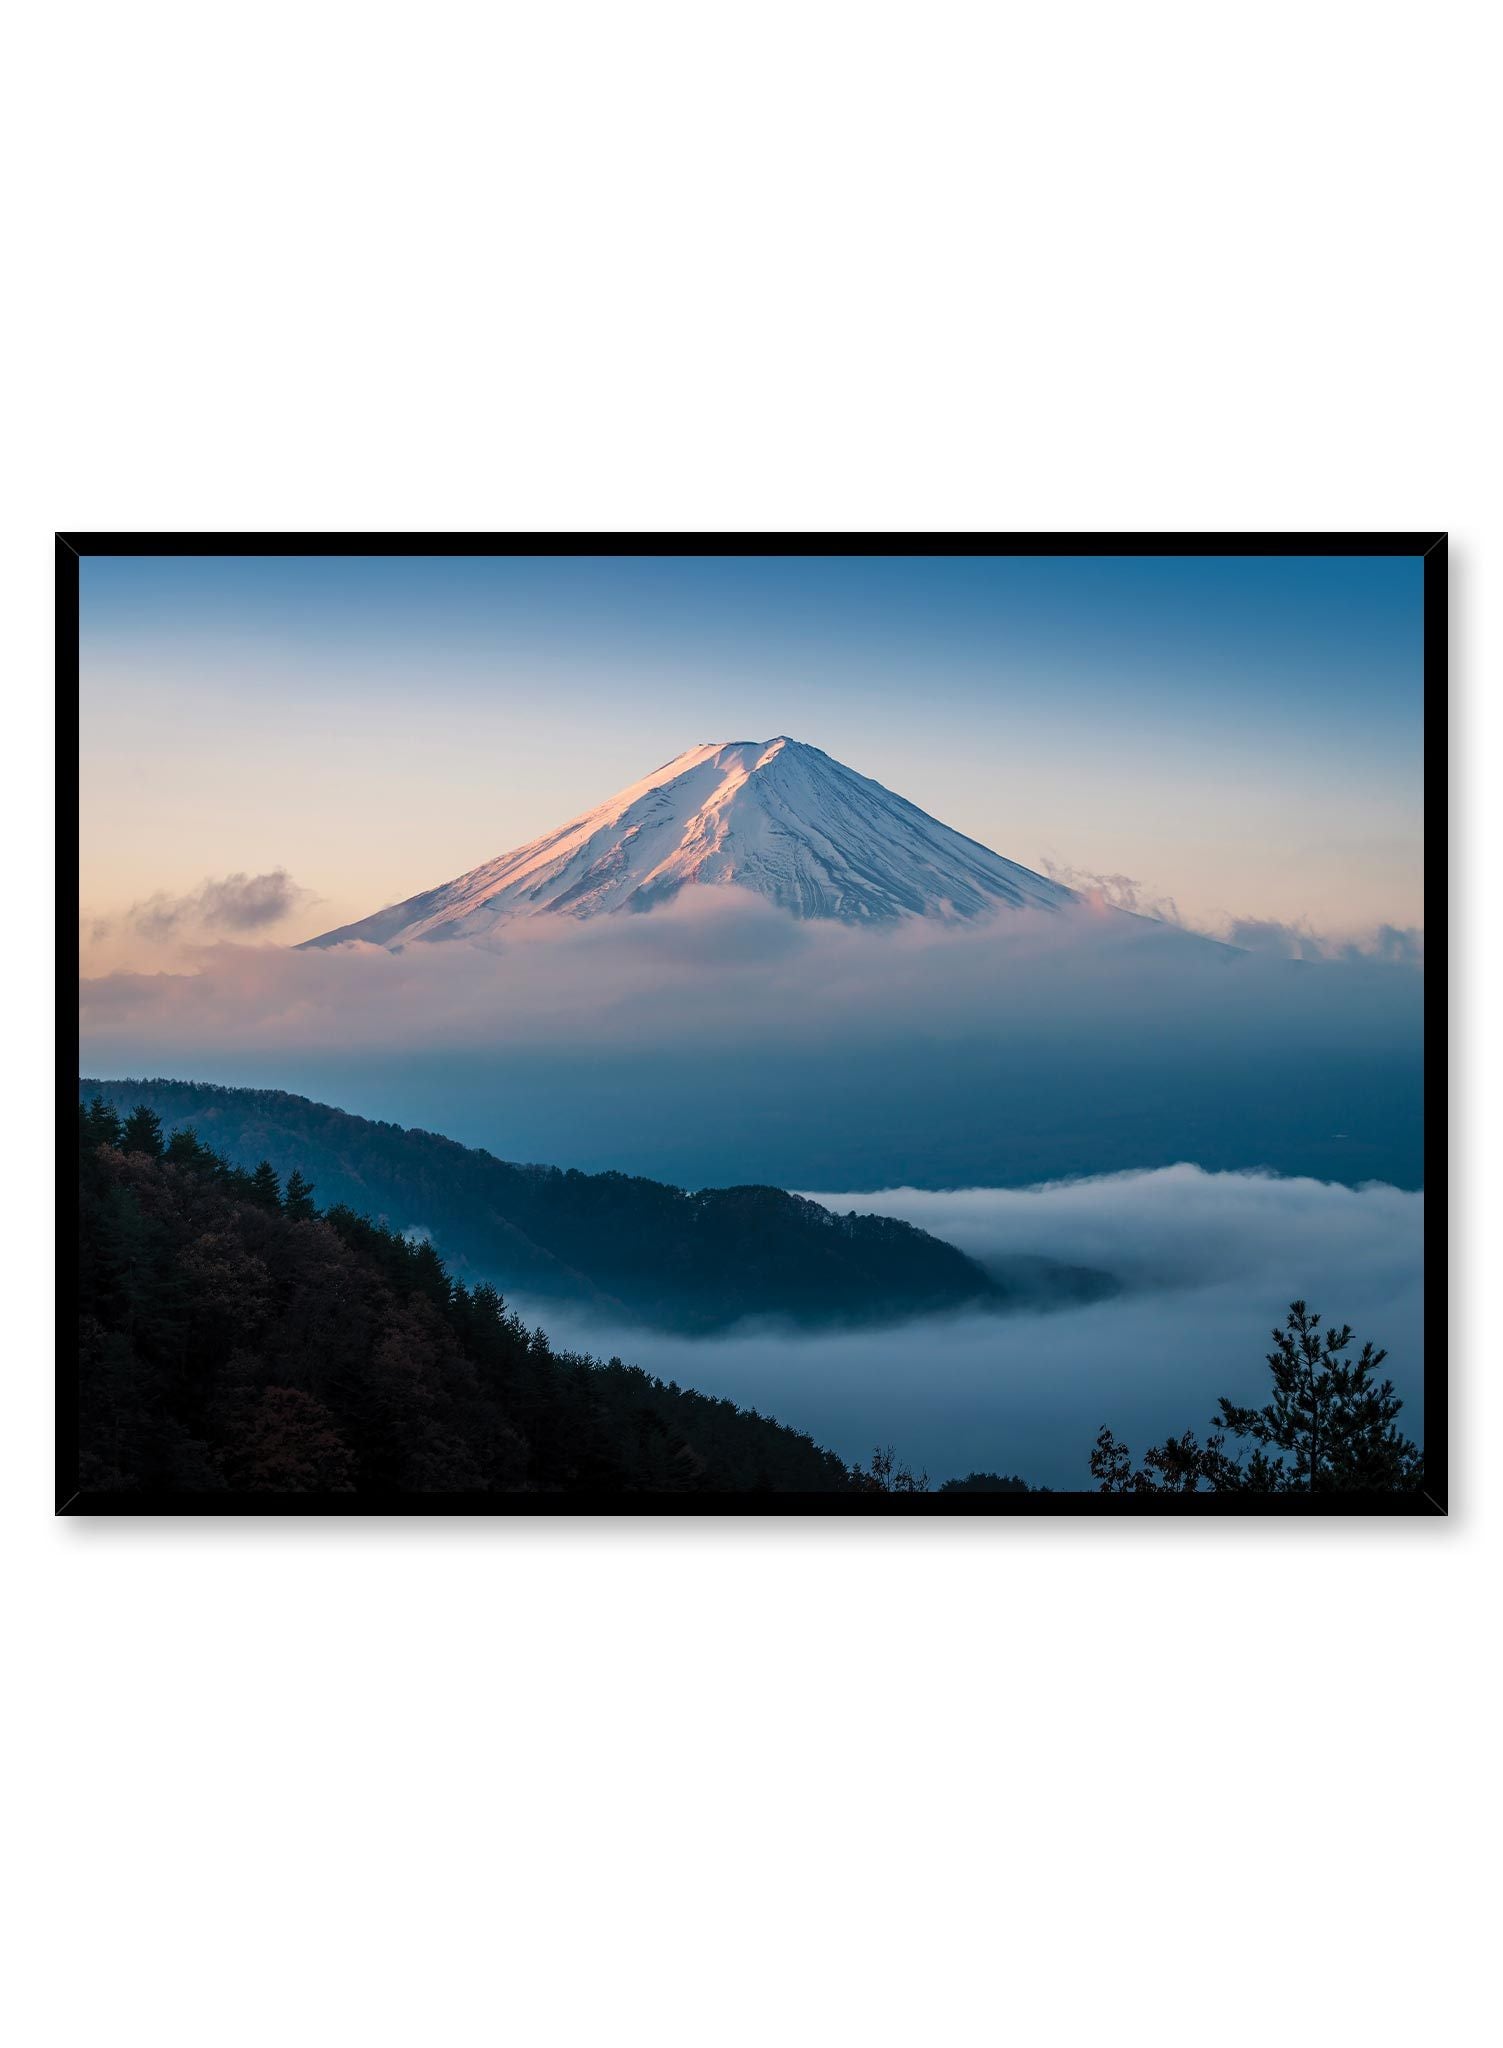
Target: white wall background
<point x="823" y="266"/>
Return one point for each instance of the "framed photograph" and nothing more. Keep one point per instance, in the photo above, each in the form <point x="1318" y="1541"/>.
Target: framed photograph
<point x="916" y="1025"/>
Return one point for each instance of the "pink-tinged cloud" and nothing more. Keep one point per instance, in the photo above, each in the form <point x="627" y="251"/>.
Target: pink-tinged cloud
<point x="721" y="968"/>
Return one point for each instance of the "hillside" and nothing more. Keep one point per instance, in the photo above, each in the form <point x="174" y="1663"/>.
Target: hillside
<point x="682" y="1261"/>
<point x="234" y="1341"/>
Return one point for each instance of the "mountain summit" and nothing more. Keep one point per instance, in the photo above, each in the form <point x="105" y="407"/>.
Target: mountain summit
<point x="773" y="816"/>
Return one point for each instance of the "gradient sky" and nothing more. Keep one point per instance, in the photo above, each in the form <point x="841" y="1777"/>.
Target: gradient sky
<point x="1241" y="735"/>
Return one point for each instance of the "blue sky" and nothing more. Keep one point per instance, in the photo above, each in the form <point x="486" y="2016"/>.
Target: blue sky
<point x="1243" y="735"/>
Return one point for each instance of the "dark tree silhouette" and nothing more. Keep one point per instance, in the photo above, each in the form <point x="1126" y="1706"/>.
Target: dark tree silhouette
<point x="1329" y="1428"/>
<point x="886" y="1475"/>
<point x="1330" y="1416"/>
<point x="99" y="1123"/>
<point x="1181" y="1464"/>
<point x="298" y="1202"/>
<point x="143" y="1132"/>
<point x="265" y="1188"/>
<point x="184" y="1149"/>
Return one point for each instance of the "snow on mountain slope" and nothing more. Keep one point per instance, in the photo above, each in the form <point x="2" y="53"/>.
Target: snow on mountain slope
<point x="773" y="816"/>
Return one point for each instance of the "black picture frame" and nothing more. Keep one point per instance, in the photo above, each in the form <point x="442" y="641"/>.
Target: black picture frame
<point x="72" y="548"/>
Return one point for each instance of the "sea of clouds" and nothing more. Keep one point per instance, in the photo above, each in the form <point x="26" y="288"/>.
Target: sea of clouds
<point x="1207" y="1262"/>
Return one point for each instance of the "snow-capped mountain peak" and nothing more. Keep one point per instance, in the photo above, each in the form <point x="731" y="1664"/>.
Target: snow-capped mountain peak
<point x="776" y="817"/>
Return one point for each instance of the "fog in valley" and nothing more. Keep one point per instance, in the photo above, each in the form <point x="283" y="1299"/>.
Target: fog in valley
<point x="1207" y="1263"/>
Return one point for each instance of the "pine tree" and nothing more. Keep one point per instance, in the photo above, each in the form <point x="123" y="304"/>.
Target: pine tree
<point x="184" y="1149"/>
<point x="299" y="1198"/>
<point x="101" y="1123"/>
<point x="1330" y="1428"/>
<point x="265" y="1188"/>
<point x="1330" y="1415"/>
<point x="143" y="1132"/>
<point x="430" y="1273"/>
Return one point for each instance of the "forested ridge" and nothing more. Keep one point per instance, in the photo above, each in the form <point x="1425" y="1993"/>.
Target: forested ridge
<point x="694" y="1261"/>
<point x="233" y="1338"/>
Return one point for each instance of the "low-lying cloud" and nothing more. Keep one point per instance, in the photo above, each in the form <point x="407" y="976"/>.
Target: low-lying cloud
<point x="1174" y="1229"/>
<point x="717" y="1040"/>
<point x="1116" y="892"/>
<point x="721" y="961"/>
<point x="1208" y="1263"/>
<point x="1398" y="945"/>
<point x="235" y="905"/>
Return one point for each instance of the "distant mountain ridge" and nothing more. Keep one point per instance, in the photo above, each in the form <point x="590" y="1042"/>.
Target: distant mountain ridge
<point x="629" y="1246"/>
<point x="776" y="817"/>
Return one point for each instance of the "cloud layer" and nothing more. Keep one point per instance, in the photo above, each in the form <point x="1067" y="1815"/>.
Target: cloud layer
<point x="1398" y="945"/>
<point x="721" y="962"/>
<point x="1116" y="892"/>
<point x="716" y="1040"/>
<point x="232" y="905"/>
<point x="1208" y="1263"/>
